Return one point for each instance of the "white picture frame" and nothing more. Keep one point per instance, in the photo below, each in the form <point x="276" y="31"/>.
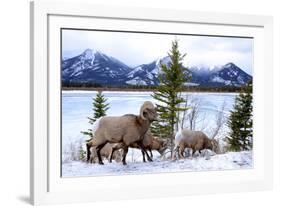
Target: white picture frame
<point x="46" y="184"/>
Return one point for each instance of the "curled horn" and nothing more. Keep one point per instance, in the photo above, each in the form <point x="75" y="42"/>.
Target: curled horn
<point x="145" y="105"/>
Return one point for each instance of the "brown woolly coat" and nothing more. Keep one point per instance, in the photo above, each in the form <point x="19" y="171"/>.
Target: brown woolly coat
<point x="196" y="140"/>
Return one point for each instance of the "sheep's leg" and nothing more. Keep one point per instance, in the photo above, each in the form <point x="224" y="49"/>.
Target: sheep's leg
<point x="181" y="153"/>
<point x="151" y="155"/>
<point x="125" y="151"/>
<point x="98" y="148"/>
<point x="144" y="150"/>
<point x="92" y="157"/>
<point x="88" y="146"/>
<point x="143" y="156"/>
<point x="111" y="154"/>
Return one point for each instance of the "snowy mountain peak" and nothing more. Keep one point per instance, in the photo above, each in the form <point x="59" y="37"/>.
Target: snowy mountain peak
<point x="87" y="54"/>
<point x="164" y="60"/>
<point x="96" y="67"/>
<point x="229" y="65"/>
<point x="231" y="75"/>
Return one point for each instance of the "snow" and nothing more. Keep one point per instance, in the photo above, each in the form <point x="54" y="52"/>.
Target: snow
<point x="228" y="161"/>
<point x="77" y="106"/>
<point x="136" y="81"/>
<point x="218" y="79"/>
<point x="165" y="60"/>
<point x="111" y="73"/>
<point x="158" y="62"/>
<point x="88" y="54"/>
<point x="132" y="73"/>
<point x="227" y="82"/>
<point x="150" y="76"/>
<point x="221" y="80"/>
<point x="155" y="71"/>
<point x="228" y="65"/>
<point x="240" y="80"/>
<point x="232" y="73"/>
<point x="93" y="59"/>
<point x="78" y="73"/>
<point x="95" y="67"/>
<point x="102" y="55"/>
<point x="191" y="84"/>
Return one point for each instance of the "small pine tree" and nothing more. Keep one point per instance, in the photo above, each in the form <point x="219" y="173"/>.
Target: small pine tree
<point x="172" y="79"/>
<point x="241" y="122"/>
<point x="99" y="107"/>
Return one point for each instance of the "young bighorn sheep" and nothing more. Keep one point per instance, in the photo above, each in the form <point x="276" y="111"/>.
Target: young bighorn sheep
<point x="106" y="152"/>
<point x="149" y="142"/>
<point x="196" y="140"/>
<point x="159" y="145"/>
<point x="126" y="129"/>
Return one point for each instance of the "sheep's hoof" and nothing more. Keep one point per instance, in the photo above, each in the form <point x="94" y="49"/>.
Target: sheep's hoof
<point x="101" y="163"/>
<point x="150" y="160"/>
<point x="124" y="163"/>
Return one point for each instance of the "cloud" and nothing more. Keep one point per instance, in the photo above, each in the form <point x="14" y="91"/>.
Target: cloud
<point x="139" y="48"/>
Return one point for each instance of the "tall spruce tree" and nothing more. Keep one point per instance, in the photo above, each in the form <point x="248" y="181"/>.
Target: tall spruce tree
<point x="172" y="78"/>
<point x="241" y="122"/>
<point x="99" y="110"/>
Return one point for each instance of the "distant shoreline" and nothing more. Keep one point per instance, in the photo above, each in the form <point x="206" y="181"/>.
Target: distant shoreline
<point x="106" y="89"/>
<point x="137" y="90"/>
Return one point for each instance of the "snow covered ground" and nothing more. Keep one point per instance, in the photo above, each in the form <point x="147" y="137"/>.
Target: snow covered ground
<point x="227" y="161"/>
<point x="77" y="106"/>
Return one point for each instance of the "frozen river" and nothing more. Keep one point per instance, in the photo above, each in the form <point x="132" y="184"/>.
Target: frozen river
<point x="77" y="106"/>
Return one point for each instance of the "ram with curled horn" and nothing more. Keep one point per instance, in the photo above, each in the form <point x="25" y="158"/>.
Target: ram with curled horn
<point x="126" y="129"/>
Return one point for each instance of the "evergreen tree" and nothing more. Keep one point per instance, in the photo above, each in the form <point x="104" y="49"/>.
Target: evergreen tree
<point x="172" y="78"/>
<point x="241" y="122"/>
<point x="99" y="108"/>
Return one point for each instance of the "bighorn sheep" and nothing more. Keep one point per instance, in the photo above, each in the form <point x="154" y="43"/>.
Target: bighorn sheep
<point x="106" y="152"/>
<point x="149" y="142"/>
<point x="126" y="129"/>
<point x="159" y="145"/>
<point x="196" y="140"/>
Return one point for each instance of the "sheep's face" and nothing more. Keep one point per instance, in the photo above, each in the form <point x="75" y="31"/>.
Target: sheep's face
<point x="148" y="112"/>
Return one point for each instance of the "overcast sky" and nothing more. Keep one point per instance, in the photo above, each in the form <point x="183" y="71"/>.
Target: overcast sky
<point x="138" y="48"/>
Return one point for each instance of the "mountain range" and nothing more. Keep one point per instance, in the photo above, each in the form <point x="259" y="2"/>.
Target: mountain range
<point x="97" y="67"/>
